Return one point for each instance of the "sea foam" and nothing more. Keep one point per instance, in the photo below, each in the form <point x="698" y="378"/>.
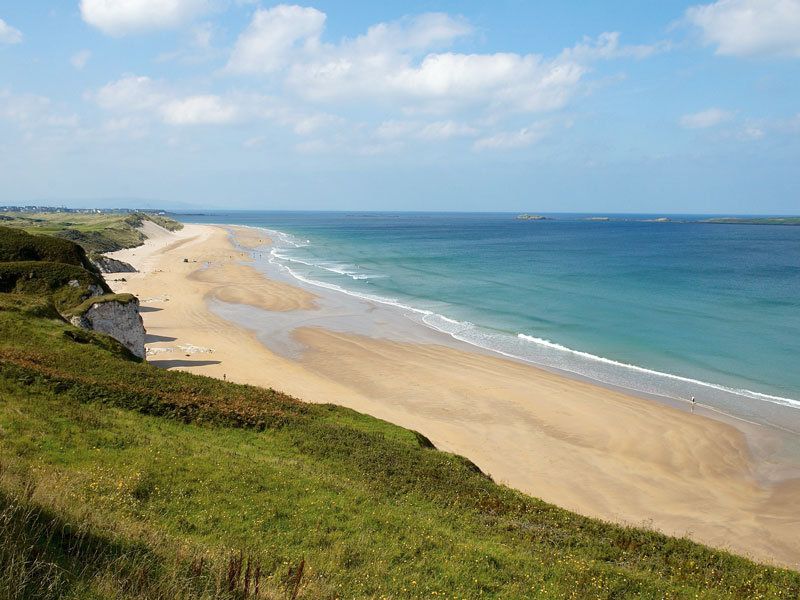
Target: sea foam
<point x="516" y="345"/>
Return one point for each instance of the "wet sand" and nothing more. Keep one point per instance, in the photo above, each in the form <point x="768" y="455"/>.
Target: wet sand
<point x="597" y="451"/>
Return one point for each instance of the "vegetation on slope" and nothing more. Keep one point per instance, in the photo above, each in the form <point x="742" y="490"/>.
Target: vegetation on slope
<point x="94" y="232"/>
<point x="67" y="285"/>
<point x="17" y="245"/>
<point x="118" y="479"/>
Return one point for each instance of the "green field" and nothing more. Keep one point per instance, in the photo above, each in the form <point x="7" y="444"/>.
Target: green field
<point x="94" y="232"/>
<point x="120" y="480"/>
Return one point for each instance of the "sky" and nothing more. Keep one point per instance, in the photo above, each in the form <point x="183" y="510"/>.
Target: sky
<point x="519" y="105"/>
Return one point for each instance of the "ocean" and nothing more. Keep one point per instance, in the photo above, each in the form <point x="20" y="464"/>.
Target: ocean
<point x="669" y="309"/>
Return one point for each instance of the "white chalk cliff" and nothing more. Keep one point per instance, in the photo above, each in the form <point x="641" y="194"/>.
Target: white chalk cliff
<point x="120" y="320"/>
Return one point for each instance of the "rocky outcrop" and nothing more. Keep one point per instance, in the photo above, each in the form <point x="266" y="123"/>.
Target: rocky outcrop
<point x="116" y="315"/>
<point x="111" y="265"/>
<point x="527" y="217"/>
<point x="94" y="290"/>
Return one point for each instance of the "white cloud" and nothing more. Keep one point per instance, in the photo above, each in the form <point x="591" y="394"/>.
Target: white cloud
<point x="436" y="130"/>
<point x="513" y="139"/>
<point x="200" y="110"/>
<point x="396" y="64"/>
<point x="273" y="35"/>
<point x="286" y="35"/>
<point x="313" y="147"/>
<point x="120" y="17"/>
<point x="123" y="124"/>
<point x="412" y="34"/>
<point x="390" y="130"/>
<point x="763" y="28"/>
<point x="307" y="125"/>
<point x="706" y="118"/>
<point x="139" y="94"/>
<point x="607" y="47"/>
<point x="254" y="142"/>
<point x="21" y="108"/>
<point x="131" y="93"/>
<point x="9" y="34"/>
<point x="442" y="130"/>
<point x="80" y="58"/>
<point x="401" y="70"/>
<point x="29" y="111"/>
<point x="753" y="130"/>
<point x="156" y="100"/>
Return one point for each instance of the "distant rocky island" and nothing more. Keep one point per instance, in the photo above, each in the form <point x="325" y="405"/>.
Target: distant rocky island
<point x="527" y="217"/>
<point x="754" y="221"/>
<point x="716" y="220"/>
<point x="657" y="220"/>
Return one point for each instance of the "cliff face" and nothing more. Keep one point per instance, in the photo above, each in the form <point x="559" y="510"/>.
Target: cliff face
<point x="119" y="319"/>
<point x="111" y="265"/>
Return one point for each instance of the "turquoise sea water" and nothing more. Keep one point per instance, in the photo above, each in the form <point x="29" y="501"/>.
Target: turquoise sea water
<point x="674" y="309"/>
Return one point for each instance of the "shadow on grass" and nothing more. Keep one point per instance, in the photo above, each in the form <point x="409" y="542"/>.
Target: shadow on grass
<point x="44" y="556"/>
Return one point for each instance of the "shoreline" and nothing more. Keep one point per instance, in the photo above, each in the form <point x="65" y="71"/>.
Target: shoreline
<point x="725" y="401"/>
<point x="598" y="451"/>
<point x="752" y="426"/>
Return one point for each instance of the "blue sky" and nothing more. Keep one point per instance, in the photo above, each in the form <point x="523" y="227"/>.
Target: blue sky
<point x="638" y="106"/>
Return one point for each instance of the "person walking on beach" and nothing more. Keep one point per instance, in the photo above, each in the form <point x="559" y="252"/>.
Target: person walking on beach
<point x="693" y="403"/>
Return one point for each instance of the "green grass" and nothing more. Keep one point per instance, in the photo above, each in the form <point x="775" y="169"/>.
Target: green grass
<point x="117" y="478"/>
<point x="165" y="222"/>
<point x="52" y="280"/>
<point x="17" y="245"/>
<point x="95" y="233"/>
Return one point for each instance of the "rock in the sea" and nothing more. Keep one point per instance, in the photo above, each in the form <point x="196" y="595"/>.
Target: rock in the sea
<point x="116" y="315"/>
<point x="111" y="265"/>
<point x="527" y="217"/>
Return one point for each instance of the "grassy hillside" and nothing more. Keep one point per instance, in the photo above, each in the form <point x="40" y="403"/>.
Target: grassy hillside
<point x="47" y="267"/>
<point x="18" y="245"/>
<point x="119" y="480"/>
<point x="66" y="285"/>
<point x="95" y="233"/>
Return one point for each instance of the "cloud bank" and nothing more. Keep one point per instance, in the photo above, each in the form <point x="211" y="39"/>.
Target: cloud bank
<point x="403" y="72"/>
<point x="706" y="118"/>
<point x="122" y="17"/>
<point x="402" y="64"/>
<point x="8" y="34"/>
<point x="750" y="28"/>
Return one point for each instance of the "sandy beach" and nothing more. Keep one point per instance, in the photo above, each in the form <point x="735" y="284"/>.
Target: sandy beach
<point x="594" y="450"/>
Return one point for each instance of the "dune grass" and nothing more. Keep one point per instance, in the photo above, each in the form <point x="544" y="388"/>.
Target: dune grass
<point x="95" y="233"/>
<point x="120" y="480"/>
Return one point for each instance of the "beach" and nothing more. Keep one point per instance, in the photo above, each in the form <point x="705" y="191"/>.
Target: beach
<point x="598" y="451"/>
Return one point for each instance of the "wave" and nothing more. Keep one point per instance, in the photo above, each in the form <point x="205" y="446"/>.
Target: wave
<point x="347" y="270"/>
<point x="338" y="288"/>
<point x="737" y="391"/>
<point x="287" y="238"/>
<point x="503" y="343"/>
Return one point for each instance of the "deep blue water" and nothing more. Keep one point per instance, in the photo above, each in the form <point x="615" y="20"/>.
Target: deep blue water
<point x="718" y="304"/>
